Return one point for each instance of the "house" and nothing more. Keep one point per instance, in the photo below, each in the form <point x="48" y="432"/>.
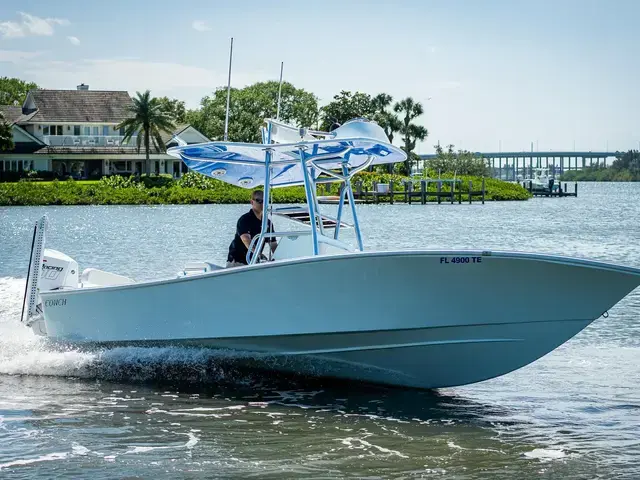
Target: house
<point x="73" y="132"/>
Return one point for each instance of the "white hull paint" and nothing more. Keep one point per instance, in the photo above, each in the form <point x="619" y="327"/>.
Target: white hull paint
<point x="425" y="319"/>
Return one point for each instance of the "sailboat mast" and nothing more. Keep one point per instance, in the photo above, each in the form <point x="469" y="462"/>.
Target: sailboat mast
<point x="279" y="91"/>
<point x="226" y="119"/>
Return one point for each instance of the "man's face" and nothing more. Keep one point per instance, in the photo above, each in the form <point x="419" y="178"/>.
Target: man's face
<point x="256" y="203"/>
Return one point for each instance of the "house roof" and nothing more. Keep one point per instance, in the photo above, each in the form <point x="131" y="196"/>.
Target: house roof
<point x="79" y="106"/>
<point x="167" y="136"/>
<point x="11" y="113"/>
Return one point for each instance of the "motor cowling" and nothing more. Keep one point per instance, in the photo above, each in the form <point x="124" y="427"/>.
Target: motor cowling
<point x="57" y="271"/>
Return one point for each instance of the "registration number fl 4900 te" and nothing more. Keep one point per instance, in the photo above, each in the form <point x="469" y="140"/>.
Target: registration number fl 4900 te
<point x="460" y="259"/>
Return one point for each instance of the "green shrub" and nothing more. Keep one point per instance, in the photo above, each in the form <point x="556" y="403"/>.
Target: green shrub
<point x="118" y="181"/>
<point x="194" y="188"/>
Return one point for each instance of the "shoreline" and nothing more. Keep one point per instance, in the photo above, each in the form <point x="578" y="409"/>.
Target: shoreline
<point x="195" y="189"/>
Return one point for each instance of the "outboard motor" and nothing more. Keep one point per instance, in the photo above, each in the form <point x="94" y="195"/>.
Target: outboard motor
<point x="48" y="270"/>
<point x="58" y="271"/>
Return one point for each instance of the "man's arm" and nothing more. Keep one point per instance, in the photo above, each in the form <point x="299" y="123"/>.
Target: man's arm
<point x="246" y="239"/>
<point x="243" y="228"/>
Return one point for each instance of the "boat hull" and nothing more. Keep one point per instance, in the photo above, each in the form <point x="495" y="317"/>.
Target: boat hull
<point x="418" y="319"/>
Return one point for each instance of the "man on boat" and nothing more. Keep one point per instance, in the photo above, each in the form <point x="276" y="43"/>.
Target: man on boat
<point x="249" y="225"/>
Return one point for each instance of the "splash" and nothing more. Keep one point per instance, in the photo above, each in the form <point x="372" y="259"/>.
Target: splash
<point x="24" y="353"/>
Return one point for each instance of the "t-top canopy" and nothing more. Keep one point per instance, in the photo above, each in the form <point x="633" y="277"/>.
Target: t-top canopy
<point x="243" y="164"/>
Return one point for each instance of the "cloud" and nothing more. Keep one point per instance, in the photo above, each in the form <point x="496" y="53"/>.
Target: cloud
<point x="74" y="40"/>
<point x="31" y="25"/>
<point x="15" y="56"/>
<point x="131" y="74"/>
<point x="200" y="26"/>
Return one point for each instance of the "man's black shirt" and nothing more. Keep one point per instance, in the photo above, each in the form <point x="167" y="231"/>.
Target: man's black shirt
<point x="247" y="223"/>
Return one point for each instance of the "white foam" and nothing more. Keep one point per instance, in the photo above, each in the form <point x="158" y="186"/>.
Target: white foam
<point x="27" y="461"/>
<point x="362" y="444"/>
<point x="24" y="353"/>
<point x="545" y="455"/>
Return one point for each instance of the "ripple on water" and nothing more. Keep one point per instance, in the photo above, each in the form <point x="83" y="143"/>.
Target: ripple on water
<point x="131" y="412"/>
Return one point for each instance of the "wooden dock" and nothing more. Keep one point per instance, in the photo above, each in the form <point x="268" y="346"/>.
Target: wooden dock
<point x="562" y="191"/>
<point x="445" y="191"/>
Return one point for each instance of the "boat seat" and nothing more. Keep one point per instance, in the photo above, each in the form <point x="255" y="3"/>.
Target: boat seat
<point x="93" y="276"/>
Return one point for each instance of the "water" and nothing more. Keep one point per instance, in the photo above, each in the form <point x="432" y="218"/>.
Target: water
<point x="170" y="412"/>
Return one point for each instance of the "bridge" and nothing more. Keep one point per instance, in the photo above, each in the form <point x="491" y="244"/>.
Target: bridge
<point x="508" y="165"/>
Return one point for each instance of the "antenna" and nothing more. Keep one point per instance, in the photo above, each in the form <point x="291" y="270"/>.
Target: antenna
<point x="226" y="119"/>
<point x="279" y="91"/>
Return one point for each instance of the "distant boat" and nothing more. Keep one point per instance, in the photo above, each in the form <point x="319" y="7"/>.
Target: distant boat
<point x="319" y="306"/>
<point x="541" y="180"/>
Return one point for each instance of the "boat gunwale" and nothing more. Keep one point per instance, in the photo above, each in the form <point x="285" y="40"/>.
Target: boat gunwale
<point x="527" y="256"/>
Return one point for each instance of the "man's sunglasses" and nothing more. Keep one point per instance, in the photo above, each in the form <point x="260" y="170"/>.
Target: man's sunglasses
<point x="259" y="200"/>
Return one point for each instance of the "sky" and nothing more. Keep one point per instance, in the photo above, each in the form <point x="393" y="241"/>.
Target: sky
<point x="492" y="75"/>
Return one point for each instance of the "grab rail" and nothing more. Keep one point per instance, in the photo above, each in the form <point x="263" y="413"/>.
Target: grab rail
<point x="296" y="233"/>
<point x="260" y="236"/>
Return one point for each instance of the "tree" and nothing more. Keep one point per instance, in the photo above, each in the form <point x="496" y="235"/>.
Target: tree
<point x="383" y="117"/>
<point x="346" y="106"/>
<point x="6" y="134"/>
<point x="627" y="161"/>
<point x="410" y="131"/>
<point x="175" y="108"/>
<point x="461" y="162"/>
<point x="148" y="120"/>
<point x="249" y="106"/>
<point x="13" y="91"/>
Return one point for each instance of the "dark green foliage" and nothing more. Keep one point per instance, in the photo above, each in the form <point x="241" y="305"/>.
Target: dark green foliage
<point x="626" y="168"/>
<point x="346" y="106"/>
<point x="6" y="134"/>
<point x="116" y="190"/>
<point x="409" y="110"/>
<point x="249" y="107"/>
<point x="148" y="119"/>
<point x="174" y="108"/>
<point x="461" y="162"/>
<point x="13" y="91"/>
<point x="194" y="188"/>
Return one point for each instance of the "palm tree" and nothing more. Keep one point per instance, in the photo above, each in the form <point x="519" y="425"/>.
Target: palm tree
<point x="6" y="134"/>
<point x="390" y="123"/>
<point x="386" y="119"/>
<point x="149" y="118"/>
<point x="412" y="132"/>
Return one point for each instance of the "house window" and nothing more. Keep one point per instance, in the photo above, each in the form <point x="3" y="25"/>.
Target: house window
<point x="87" y="131"/>
<point x="105" y="130"/>
<point x="95" y="131"/>
<point x="45" y="130"/>
<point x="76" y="130"/>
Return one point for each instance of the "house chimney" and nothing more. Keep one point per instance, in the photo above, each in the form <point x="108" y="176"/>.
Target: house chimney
<point x="82" y="86"/>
